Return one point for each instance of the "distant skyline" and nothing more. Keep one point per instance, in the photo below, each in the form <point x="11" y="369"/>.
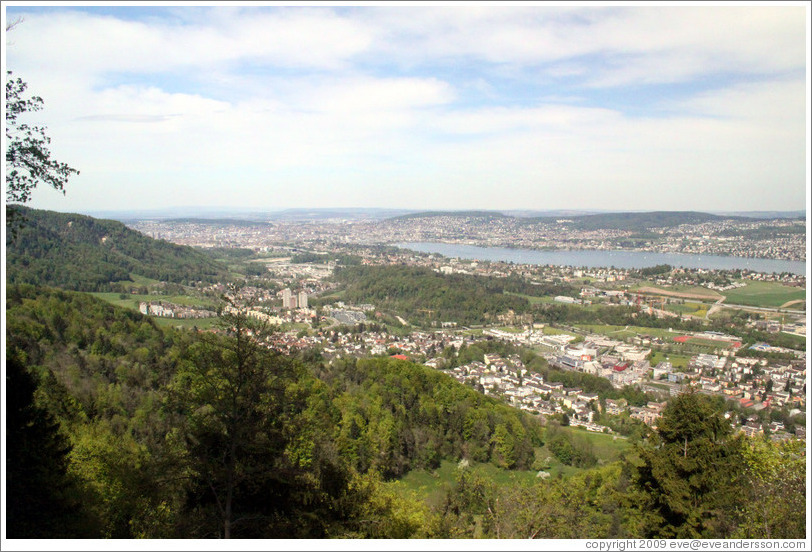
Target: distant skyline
<point x="463" y="106"/>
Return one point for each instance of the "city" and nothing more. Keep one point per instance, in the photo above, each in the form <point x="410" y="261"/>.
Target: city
<point x="340" y="330"/>
<point x="328" y="275"/>
<point x="774" y="239"/>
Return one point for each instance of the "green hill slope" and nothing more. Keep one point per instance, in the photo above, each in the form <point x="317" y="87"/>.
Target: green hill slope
<point x="422" y="295"/>
<point x="148" y="415"/>
<point x="82" y="253"/>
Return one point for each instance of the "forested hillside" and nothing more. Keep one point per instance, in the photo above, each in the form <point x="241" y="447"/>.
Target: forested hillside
<point x="117" y="428"/>
<point x="161" y="433"/>
<point x="424" y="295"/>
<point x="399" y="416"/>
<point x="81" y="253"/>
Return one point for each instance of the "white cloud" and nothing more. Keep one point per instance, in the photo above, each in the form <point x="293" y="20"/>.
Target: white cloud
<point x="626" y="45"/>
<point x="76" y="41"/>
<point x="309" y="106"/>
<point x="355" y="95"/>
<point x="776" y="103"/>
<point x="551" y="117"/>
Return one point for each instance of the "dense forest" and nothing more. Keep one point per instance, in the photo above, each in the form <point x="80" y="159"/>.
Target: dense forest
<point x="422" y="295"/>
<point x="81" y="253"/>
<point x="172" y="433"/>
<point x="118" y="428"/>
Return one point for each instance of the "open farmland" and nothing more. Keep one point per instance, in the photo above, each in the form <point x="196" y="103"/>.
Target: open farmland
<point x="688" y="308"/>
<point x="685" y="292"/>
<point x="131" y="301"/>
<point x="765" y="294"/>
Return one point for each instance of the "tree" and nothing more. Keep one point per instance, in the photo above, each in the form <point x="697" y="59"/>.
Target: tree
<point x="232" y="390"/>
<point x="42" y="496"/>
<point x="775" y="489"/>
<point x="28" y="159"/>
<point x="691" y="478"/>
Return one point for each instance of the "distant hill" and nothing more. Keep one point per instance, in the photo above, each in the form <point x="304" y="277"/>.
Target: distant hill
<point x="463" y="214"/>
<point x="594" y="221"/>
<point x="249" y="214"/>
<point x="218" y="221"/>
<point x="82" y="253"/>
<point x="640" y="221"/>
<point x="529" y="213"/>
<point x="337" y="213"/>
<point x="765" y="214"/>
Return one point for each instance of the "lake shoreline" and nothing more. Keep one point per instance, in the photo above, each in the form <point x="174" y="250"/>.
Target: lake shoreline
<point x="600" y="258"/>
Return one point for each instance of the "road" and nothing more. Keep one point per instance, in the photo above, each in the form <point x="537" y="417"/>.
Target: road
<point x="715" y="307"/>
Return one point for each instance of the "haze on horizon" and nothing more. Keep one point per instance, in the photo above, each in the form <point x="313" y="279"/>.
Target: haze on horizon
<point x="532" y="107"/>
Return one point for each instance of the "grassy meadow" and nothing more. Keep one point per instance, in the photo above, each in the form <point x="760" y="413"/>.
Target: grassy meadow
<point x="431" y="485"/>
<point x="765" y="294"/>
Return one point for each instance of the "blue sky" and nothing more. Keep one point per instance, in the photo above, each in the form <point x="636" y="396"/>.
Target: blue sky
<point x="461" y="106"/>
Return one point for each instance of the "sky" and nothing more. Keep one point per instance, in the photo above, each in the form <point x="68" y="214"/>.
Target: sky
<point x="531" y="106"/>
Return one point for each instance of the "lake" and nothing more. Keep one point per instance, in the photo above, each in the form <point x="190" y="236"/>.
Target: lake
<point x="592" y="258"/>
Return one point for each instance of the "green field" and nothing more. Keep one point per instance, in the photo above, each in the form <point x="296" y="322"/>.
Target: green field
<point x="549" y="330"/>
<point x="677" y="361"/>
<point x="533" y="300"/>
<point x="605" y="446"/>
<point x="143" y="280"/>
<point x="692" y="308"/>
<point x="199" y="323"/>
<point x="430" y="485"/>
<point x="333" y="295"/>
<point x="510" y="329"/>
<point x="679" y="288"/>
<point x="765" y="294"/>
<point x="622" y="332"/>
<point x="131" y="301"/>
<point x="703" y="342"/>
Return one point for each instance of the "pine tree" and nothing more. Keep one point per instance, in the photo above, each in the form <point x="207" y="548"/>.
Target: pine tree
<point x="40" y="494"/>
<point x="690" y="477"/>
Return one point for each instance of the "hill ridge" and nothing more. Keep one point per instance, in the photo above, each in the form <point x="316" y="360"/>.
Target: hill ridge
<point x="82" y="253"/>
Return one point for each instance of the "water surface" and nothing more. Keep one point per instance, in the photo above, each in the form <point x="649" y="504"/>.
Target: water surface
<point x="593" y="258"/>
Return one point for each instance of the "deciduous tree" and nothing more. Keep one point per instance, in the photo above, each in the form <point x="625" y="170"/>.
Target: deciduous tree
<point x="28" y="157"/>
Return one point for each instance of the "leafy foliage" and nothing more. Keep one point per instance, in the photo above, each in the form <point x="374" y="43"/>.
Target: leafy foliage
<point x="775" y="491"/>
<point x="593" y="504"/>
<point x="42" y="495"/>
<point x="162" y="429"/>
<point x="398" y="416"/>
<point x="28" y="159"/>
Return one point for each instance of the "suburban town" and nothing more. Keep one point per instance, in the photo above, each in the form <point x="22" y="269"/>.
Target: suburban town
<point x="772" y="239"/>
<point x="756" y="384"/>
<point x="320" y="272"/>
